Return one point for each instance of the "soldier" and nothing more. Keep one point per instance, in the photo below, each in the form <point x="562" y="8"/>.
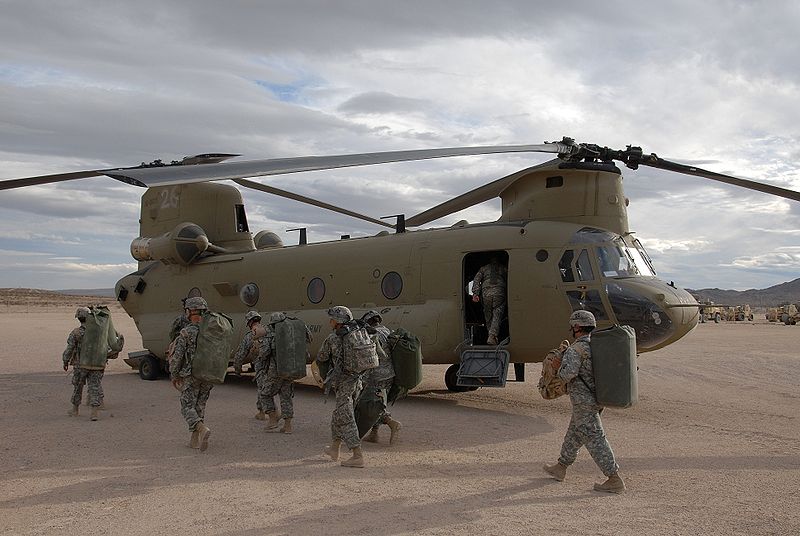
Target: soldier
<point x="251" y="346"/>
<point x="585" y="428"/>
<point x="71" y="356"/>
<point x="381" y="377"/>
<point x="345" y="384"/>
<point x="179" y="323"/>
<point x="489" y="286"/>
<point x="274" y="384"/>
<point x="194" y="392"/>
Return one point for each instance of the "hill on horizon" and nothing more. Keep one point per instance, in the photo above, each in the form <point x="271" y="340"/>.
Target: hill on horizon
<point x="788" y="292"/>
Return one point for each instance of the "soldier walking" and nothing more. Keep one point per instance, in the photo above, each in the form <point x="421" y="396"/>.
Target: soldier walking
<point x="489" y="287"/>
<point x="251" y="346"/>
<point x="380" y="378"/>
<point x="345" y="384"/>
<point x="194" y="392"/>
<point x="71" y="357"/>
<point x="585" y="427"/>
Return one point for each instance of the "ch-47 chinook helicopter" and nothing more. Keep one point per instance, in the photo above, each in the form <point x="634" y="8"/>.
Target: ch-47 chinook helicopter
<point x="563" y="235"/>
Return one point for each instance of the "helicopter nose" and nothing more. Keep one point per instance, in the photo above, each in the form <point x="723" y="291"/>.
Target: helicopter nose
<point x="659" y="313"/>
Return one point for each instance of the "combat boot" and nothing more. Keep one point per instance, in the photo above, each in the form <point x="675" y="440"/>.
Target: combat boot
<point x="194" y="442"/>
<point x="94" y="414"/>
<point x="287" y="426"/>
<point x="274" y="420"/>
<point x="372" y="436"/>
<point x="261" y="416"/>
<point x="357" y="460"/>
<point x="614" y="484"/>
<point x="333" y="449"/>
<point x="557" y="471"/>
<point x="73" y="412"/>
<point x="394" y="426"/>
<point x="203" y="434"/>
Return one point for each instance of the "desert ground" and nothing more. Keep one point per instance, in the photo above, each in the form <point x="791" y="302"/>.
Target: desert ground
<point x="712" y="447"/>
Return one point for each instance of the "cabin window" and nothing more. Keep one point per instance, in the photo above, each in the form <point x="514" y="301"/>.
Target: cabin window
<point x="565" y="266"/>
<point x="241" y="220"/>
<point x="392" y="285"/>
<point x="249" y="294"/>
<point x="588" y="300"/>
<point x="554" y="182"/>
<point x="316" y="290"/>
<point x="585" y="272"/>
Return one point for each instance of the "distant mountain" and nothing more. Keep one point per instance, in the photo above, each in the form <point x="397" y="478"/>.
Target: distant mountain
<point x="104" y="292"/>
<point x="788" y="292"/>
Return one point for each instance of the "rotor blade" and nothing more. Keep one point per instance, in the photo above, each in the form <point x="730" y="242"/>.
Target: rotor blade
<point x="46" y="179"/>
<point x="303" y="199"/>
<point x="656" y="162"/>
<point x="166" y="175"/>
<point x="471" y="198"/>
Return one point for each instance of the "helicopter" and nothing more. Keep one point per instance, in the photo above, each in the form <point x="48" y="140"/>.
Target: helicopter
<point x="563" y="235"/>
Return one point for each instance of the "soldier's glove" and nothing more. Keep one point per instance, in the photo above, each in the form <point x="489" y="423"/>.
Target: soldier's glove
<point x="177" y="383"/>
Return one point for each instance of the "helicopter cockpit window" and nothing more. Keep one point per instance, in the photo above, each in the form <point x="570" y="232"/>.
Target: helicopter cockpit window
<point x="392" y="285"/>
<point x="590" y="235"/>
<point x="241" y="220"/>
<point x="316" y="290"/>
<point x="615" y="261"/>
<point x="638" y="249"/>
<point x="565" y="266"/>
<point x="584" y="266"/>
<point x="249" y="294"/>
<point x="588" y="300"/>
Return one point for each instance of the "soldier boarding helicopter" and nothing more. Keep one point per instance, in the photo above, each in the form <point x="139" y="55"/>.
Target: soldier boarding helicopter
<point x="563" y="236"/>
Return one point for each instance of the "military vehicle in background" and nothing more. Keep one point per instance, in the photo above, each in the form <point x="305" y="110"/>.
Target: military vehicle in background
<point x="709" y="312"/>
<point x="787" y="313"/>
<point x="740" y="313"/>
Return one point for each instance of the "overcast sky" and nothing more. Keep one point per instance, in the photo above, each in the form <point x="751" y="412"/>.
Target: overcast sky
<point x="98" y="84"/>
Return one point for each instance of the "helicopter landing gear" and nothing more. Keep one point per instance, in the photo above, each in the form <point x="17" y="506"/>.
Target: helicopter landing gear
<point x="451" y="380"/>
<point x="149" y="368"/>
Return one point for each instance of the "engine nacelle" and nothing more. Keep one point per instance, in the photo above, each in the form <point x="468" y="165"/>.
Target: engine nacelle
<point x="181" y="246"/>
<point x="267" y="239"/>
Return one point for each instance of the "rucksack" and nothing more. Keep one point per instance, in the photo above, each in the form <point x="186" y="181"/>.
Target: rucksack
<point x="359" y="351"/>
<point x="213" y="350"/>
<point x="406" y="354"/>
<point x="290" y="348"/>
<point x="100" y="340"/>
<point x="550" y="385"/>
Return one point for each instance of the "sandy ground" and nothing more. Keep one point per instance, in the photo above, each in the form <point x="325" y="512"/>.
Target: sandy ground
<point x="711" y="448"/>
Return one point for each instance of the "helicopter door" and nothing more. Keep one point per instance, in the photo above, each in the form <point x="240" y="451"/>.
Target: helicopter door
<point x="580" y="282"/>
<point x="476" y="330"/>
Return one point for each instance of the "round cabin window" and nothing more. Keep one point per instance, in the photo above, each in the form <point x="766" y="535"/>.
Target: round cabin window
<point x="249" y="294"/>
<point x="316" y="290"/>
<point x="392" y="285"/>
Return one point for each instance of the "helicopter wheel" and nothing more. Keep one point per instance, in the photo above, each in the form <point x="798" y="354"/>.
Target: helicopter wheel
<point x="149" y="368"/>
<point x="451" y="380"/>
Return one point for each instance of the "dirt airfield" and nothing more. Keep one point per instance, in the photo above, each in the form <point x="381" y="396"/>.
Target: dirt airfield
<point x="713" y="447"/>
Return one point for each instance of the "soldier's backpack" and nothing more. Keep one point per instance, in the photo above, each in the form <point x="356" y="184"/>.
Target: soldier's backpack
<point x="369" y="407"/>
<point x="359" y="351"/>
<point x="550" y="385"/>
<point x="614" y="366"/>
<point x="290" y="348"/>
<point x="406" y="354"/>
<point x="100" y="340"/>
<point x="213" y="350"/>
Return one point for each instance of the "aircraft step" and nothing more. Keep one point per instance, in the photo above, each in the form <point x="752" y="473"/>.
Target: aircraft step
<point x="483" y="367"/>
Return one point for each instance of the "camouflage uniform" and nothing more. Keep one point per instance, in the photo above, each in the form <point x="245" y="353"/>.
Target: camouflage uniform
<point x="250" y="346"/>
<point x="347" y="387"/>
<point x="274" y="384"/>
<point x="585" y="428"/>
<point x="178" y="324"/>
<point x="194" y="392"/>
<point x="490" y="284"/>
<point x="381" y="377"/>
<point x="80" y="375"/>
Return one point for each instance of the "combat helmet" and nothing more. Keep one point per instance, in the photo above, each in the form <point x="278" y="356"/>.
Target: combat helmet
<point x="370" y="315"/>
<point x="251" y="315"/>
<point x="340" y="313"/>
<point x="582" y="318"/>
<point x="197" y="303"/>
<point x="82" y="313"/>
<point x="274" y="318"/>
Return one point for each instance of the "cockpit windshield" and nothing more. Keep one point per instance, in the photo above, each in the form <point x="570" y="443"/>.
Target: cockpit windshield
<point x="618" y="259"/>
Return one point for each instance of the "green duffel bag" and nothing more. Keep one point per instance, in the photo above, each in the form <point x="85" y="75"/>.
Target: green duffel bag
<point x="368" y="409"/>
<point x="100" y="339"/>
<point x="291" y="348"/>
<point x="406" y="353"/>
<point x="213" y="351"/>
<point x="614" y="366"/>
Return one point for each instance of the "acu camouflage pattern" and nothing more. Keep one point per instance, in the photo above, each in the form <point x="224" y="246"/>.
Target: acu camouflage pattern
<point x="585" y="427"/>
<point x="81" y="376"/>
<point x="490" y="284"/>
<point x="347" y="387"/>
<point x="273" y="383"/>
<point x="194" y="392"/>
<point x="381" y="377"/>
<point x="250" y="347"/>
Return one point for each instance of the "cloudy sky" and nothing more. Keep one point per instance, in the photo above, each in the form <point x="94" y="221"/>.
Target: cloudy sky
<point x="98" y="84"/>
